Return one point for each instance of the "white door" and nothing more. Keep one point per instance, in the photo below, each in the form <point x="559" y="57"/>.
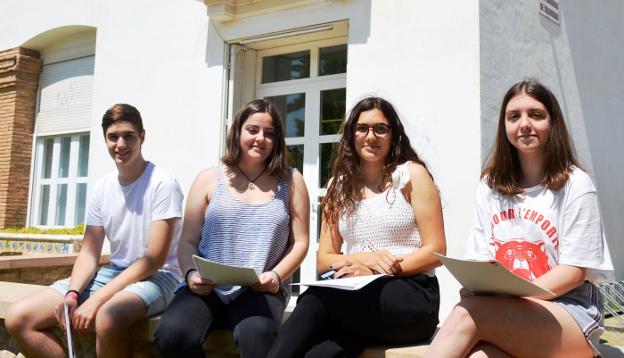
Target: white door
<point x="308" y="84"/>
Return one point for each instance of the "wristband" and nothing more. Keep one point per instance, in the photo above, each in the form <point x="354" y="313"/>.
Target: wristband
<point x="279" y="279"/>
<point x="72" y="294"/>
<point x="188" y="272"/>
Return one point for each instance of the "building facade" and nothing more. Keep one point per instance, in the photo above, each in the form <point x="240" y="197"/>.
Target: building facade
<point x="188" y="65"/>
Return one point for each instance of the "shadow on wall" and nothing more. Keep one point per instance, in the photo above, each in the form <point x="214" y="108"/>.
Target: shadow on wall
<point x="594" y="32"/>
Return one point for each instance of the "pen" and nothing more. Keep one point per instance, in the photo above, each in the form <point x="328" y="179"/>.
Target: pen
<point x="328" y="275"/>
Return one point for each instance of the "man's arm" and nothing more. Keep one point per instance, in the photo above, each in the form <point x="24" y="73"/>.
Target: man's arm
<point x="160" y="237"/>
<point x="84" y="267"/>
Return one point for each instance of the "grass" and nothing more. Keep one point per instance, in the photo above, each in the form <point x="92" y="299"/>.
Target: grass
<point x="78" y="230"/>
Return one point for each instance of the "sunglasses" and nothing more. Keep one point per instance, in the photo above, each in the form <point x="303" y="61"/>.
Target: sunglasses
<point x="380" y="130"/>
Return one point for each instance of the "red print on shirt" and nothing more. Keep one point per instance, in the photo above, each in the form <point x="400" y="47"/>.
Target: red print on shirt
<point x="524" y="258"/>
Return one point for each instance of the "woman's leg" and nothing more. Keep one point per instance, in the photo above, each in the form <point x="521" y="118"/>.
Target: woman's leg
<point x="519" y="327"/>
<point x="307" y="326"/>
<point x="186" y="322"/>
<point x="255" y="318"/>
<point x="400" y="311"/>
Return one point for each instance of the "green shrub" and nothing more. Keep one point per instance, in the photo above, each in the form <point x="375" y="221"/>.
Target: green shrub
<point x="78" y="230"/>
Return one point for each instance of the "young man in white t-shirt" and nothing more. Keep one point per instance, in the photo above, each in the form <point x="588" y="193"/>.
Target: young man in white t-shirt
<point x="138" y="208"/>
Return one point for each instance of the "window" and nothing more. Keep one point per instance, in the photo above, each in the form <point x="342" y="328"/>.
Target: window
<point x="308" y="85"/>
<point x="60" y="191"/>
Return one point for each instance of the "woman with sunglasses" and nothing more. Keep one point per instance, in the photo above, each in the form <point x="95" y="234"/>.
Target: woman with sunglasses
<point x="381" y="202"/>
<point x="537" y="214"/>
<point x="252" y="210"/>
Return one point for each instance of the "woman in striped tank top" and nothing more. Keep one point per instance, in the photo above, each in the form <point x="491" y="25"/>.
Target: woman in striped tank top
<point x="381" y="202"/>
<point x="252" y="211"/>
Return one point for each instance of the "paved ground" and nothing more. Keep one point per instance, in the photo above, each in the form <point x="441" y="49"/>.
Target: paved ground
<point x="614" y="332"/>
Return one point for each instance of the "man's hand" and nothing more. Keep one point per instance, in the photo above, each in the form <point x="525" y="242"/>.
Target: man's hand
<point x="83" y="318"/>
<point x="198" y="285"/>
<point x="59" y="312"/>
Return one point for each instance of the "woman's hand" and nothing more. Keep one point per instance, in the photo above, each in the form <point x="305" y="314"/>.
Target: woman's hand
<point x="269" y="282"/>
<point x="464" y="293"/>
<point x="380" y="261"/>
<point x="198" y="285"/>
<point x="351" y="269"/>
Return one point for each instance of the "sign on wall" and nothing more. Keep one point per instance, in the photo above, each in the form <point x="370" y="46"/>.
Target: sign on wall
<point x="550" y="10"/>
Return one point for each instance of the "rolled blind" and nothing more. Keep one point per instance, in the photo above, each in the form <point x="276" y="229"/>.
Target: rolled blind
<point x="66" y="90"/>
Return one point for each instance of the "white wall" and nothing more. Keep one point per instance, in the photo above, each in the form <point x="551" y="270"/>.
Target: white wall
<point x="166" y="58"/>
<point x="424" y="57"/>
<point x="161" y="56"/>
<point x="580" y="61"/>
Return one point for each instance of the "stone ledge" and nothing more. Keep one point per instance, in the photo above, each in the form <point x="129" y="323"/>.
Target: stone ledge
<point x="43" y="260"/>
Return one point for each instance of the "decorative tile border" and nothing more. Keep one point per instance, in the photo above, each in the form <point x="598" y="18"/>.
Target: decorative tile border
<point x="38" y="245"/>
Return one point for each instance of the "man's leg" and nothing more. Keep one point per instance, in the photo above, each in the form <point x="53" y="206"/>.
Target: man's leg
<point x="29" y="321"/>
<point x="113" y="322"/>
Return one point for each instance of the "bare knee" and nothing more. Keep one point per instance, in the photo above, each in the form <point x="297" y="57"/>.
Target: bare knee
<point x="109" y="319"/>
<point x="18" y="318"/>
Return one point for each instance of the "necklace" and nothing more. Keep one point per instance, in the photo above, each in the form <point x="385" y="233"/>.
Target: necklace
<point x="251" y="186"/>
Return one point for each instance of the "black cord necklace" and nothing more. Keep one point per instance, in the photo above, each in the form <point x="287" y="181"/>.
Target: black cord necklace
<point x="251" y="186"/>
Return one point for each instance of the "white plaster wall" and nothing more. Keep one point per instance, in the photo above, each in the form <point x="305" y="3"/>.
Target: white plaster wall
<point x="164" y="57"/>
<point x="581" y="61"/>
<point x="423" y="56"/>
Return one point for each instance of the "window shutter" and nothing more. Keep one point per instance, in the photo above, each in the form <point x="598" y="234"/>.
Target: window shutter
<point x="66" y="89"/>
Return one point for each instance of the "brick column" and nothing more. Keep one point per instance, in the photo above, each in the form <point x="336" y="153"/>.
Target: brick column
<point x="19" y="79"/>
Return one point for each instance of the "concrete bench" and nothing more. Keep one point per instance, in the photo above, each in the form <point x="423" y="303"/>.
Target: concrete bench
<point x="218" y="344"/>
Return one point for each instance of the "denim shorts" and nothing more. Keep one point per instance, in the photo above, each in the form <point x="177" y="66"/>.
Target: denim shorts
<point x="156" y="291"/>
<point x="584" y="304"/>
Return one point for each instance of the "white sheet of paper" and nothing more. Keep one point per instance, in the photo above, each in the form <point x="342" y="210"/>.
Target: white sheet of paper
<point x="490" y="277"/>
<point x="349" y="283"/>
<point x="70" y="343"/>
<point x="224" y="274"/>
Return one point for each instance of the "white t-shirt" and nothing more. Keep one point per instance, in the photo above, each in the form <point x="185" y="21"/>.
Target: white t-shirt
<point x="126" y="214"/>
<point x="533" y="232"/>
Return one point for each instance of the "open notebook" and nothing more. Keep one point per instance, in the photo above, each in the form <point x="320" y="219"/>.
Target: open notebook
<point x="349" y="283"/>
<point x="490" y="277"/>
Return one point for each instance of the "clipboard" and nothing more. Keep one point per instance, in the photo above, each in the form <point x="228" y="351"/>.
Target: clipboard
<point x="490" y="277"/>
<point x="221" y="274"/>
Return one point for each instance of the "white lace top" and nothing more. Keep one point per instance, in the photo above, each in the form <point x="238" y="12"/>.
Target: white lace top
<point x="383" y="222"/>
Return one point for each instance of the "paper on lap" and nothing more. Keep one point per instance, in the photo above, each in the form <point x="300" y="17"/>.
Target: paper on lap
<point x="490" y="277"/>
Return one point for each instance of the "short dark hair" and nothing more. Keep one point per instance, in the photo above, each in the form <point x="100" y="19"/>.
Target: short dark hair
<point x="277" y="162"/>
<point x="502" y="170"/>
<point x="125" y="113"/>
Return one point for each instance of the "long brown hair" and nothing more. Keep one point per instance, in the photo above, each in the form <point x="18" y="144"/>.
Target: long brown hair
<point x="346" y="186"/>
<point x="502" y="170"/>
<point x="277" y="162"/>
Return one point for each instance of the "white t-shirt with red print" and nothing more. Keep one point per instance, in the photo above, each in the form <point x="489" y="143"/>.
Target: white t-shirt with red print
<point x="535" y="231"/>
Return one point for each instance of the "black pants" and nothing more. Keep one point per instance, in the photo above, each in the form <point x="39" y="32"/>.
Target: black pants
<point x="336" y="323"/>
<point x="253" y="316"/>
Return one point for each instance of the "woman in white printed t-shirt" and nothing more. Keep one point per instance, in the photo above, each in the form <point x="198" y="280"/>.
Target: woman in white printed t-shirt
<point x="537" y="214"/>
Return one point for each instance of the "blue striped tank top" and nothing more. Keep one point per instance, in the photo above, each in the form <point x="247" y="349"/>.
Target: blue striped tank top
<point x="246" y="235"/>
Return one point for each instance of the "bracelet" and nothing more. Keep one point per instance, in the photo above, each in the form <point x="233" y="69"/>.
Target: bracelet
<point x="72" y="294"/>
<point x="279" y="279"/>
<point x="188" y="272"/>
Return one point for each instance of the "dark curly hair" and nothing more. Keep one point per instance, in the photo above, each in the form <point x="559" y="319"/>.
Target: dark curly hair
<point x="345" y="187"/>
<point x="502" y="171"/>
